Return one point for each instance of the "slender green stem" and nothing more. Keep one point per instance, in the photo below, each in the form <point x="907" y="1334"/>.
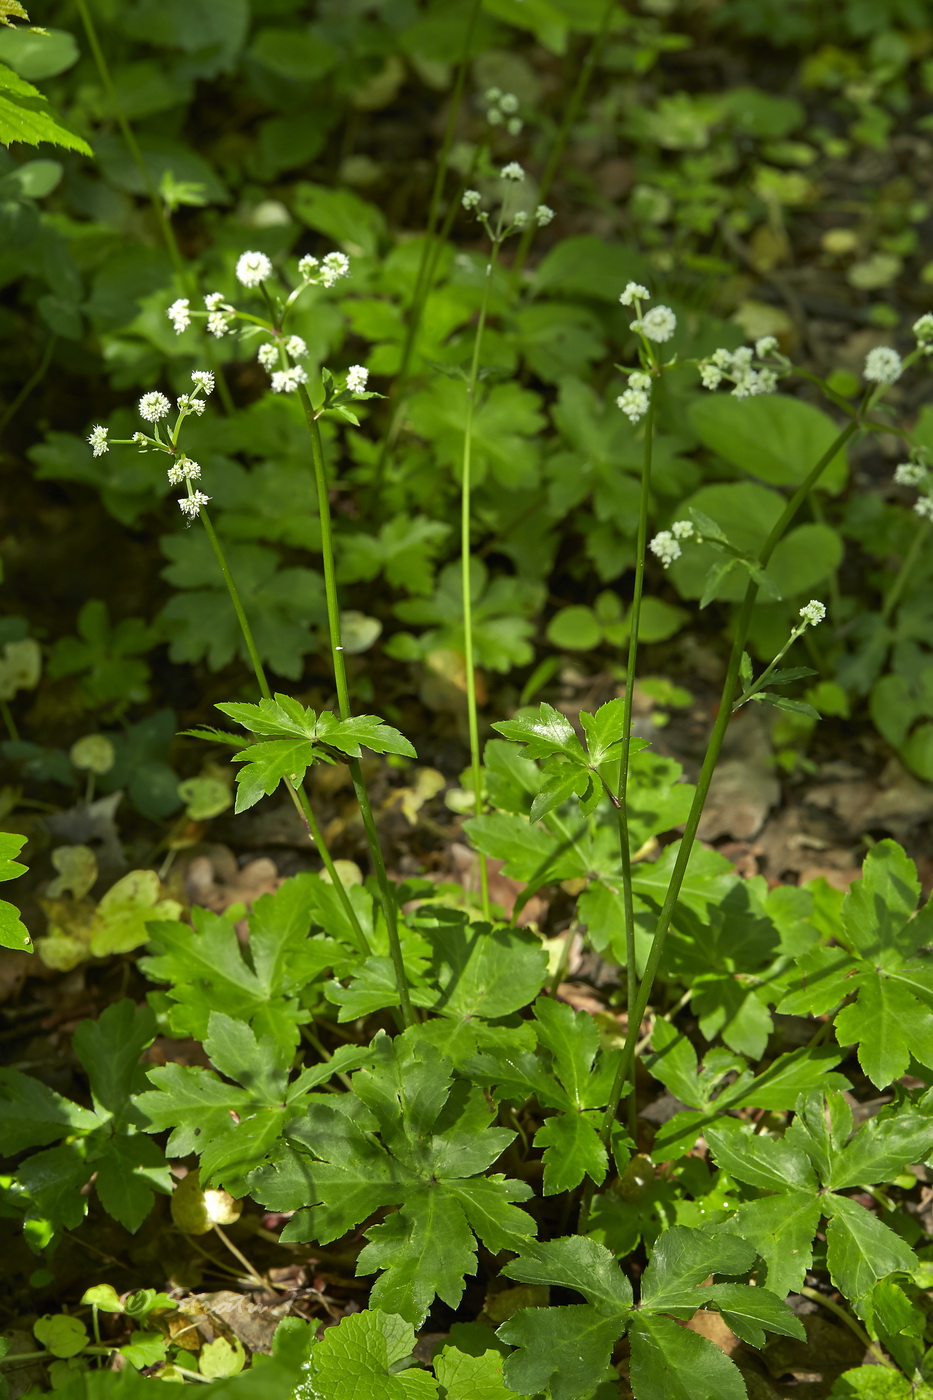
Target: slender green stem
<point x="626" y="1061"/>
<point x="625" y="852"/>
<point x="762" y="680"/>
<point x="904" y="572"/>
<point x="34" y="379"/>
<point x="387" y="898"/>
<point x="846" y="1317"/>
<point x="466" y="486"/>
<point x="571" y="112"/>
<point x="6" y="714"/>
<point x="299" y="797"/>
<point x="238" y="608"/>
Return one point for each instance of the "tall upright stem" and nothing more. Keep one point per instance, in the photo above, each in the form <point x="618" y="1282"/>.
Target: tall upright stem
<point x="386" y="896"/>
<point x="743" y="621"/>
<point x="466" y="487"/>
<point x="625" y="853"/>
<point x="300" y="798"/>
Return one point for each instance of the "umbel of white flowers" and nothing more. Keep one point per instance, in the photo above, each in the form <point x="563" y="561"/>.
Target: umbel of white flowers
<point x="512" y="173"/>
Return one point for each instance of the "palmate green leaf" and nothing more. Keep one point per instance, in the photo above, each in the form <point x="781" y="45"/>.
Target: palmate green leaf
<point x="480" y="971"/>
<point x="368" y="731"/>
<point x="530" y="852"/>
<point x="109" y="1048"/>
<point x="572" y="1149"/>
<point x="579" y="1263"/>
<point x="877" y="911"/>
<point x="560" y="780"/>
<point x="267" y="763"/>
<point x="563" y="1352"/>
<point x="682" y="1260"/>
<point x="544" y="734"/>
<point x="465" y="1376"/>
<point x="860" y="1248"/>
<point x="781" y="1229"/>
<point x="407" y="1136"/>
<point x="359" y="1358"/>
<point x="882" y="1148"/>
<point x="31" y="1114"/>
<point x="13" y="932"/>
<point x="25" y="115"/>
<point x="130" y="1170"/>
<point x="672" y="1363"/>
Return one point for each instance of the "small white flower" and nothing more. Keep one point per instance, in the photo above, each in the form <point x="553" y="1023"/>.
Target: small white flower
<point x="665" y="548"/>
<point x="191" y="505"/>
<point x="334" y="266"/>
<point x="492" y="95"/>
<point x="286" y="381"/>
<point x="494" y="117"/>
<point x="910" y="473"/>
<point x="812" y="613"/>
<point x="141" y="441"/>
<point x="640" y="381"/>
<point x="97" y="440"/>
<point x="924" y="507"/>
<point x="190" y="471"/>
<point x="214" y="300"/>
<point x="179" y="313"/>
<point x="296" y="347"/>
<point x="512" y="171"/>
<point x="765" y="345"/>
<point x="357" y="376"/>
<point x="153" y="406"/>
<point x="175" y="475"/>
<point x="217" y="324"/>
<point x="470" y="199"/>
<point x="882" y="365"/>
<point x="253" y="268"/>
<point x="710" y="376"/>
<point x="634" y="291"/>
<point x="268" y="356"/>
<point x="658" y="324"/>
<point x="750" y="382"/>
<point x="520" y="219"/>
<point x="742" y="358"/>
<point x="683" y="530"/>
<point x="508" y="103"/>
<point x="543" y="215"/>
<point x="188" y="404"/>
<point x="308" y="267"/>
<point x="633" y="403"/>
<point x="767" y="381"/>
<point x="923" y="330"/>
<point x="514" y="126"/>
<point x="722" y="359"/>
<point x="203" y="379"/>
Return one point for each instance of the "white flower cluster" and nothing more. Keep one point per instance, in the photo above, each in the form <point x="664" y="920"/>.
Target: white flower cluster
<point x="97" y="440"/>
<point x="658" y="324"/>
<point x="219" y="314"/>
<point x="635" y="400"/>
<point x="883" y="365"/>
<point x="501" y="110"/>
<point x="191" y="505"/>
<point x="154" y="407"/>
<point x="666" y="544"/>
<point x="470" y="200"/>
<point x="253" y="268"/>
<point x="917" y="473"/>
<point x="357" y="375"/>
<point x="326" y="272"/>
<point x="738" y="367"/>
<point x="183" y="469"/>
<point x="812" y="613"/>
<point x="179" y="313"/>
<point x="269" y="357"/>
<point x="923" y="330"/>
<point x="541" y="216"/>
<point x="286" y="381"/>
<point x="513" y="171"/>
